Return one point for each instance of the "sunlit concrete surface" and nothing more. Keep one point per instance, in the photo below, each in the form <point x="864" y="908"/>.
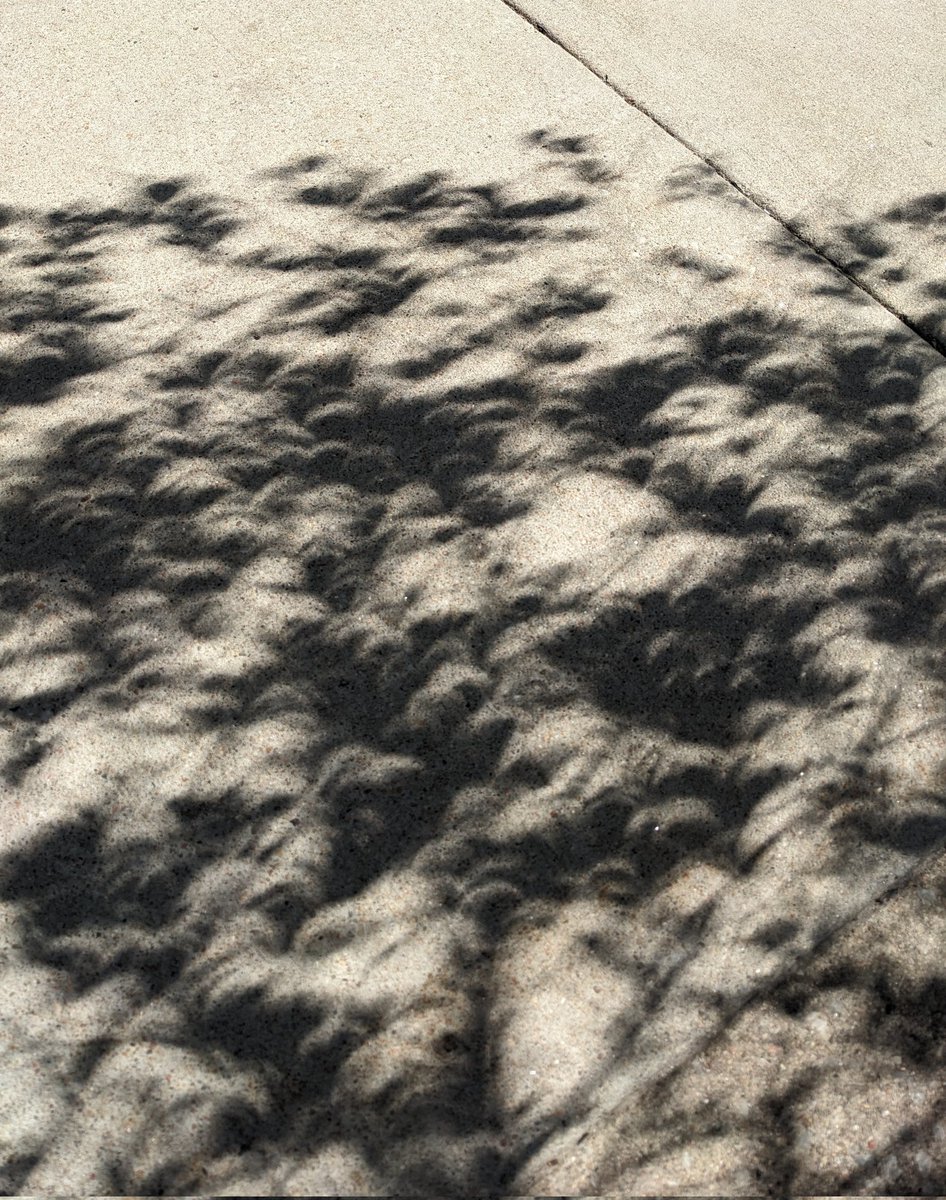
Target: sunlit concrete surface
<point x="831" y="114"/>
<point x="471" y="632"/>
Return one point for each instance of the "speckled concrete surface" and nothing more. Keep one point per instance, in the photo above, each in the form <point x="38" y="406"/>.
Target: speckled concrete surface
<point x="472" y="612"/>
<point x="831" y="115"/>
<point x="835" y="1077"/>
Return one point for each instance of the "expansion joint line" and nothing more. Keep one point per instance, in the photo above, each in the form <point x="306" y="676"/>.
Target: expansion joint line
<point x="821" y="251"/>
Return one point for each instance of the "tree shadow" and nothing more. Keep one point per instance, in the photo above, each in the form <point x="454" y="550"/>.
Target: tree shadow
<point x="894" y="254"/>
<point x="397" y="693"/>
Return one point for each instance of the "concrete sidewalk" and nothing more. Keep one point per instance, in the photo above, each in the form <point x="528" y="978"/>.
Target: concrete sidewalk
<point x="472" y="619"/>
<point x="830" y="115"/>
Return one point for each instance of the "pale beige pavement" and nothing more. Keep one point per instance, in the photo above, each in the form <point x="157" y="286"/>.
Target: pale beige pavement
<point x="831" y="115"/>
<point x="471" y="623"/>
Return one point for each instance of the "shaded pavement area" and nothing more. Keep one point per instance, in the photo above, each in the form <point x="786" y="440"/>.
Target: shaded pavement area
<point x="471" y="674"/>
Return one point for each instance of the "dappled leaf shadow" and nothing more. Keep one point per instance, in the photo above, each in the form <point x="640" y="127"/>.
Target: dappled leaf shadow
<point x="398" y="692"/>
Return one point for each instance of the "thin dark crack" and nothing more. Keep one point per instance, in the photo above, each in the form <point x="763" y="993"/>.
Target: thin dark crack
<point x="743" y="189"/>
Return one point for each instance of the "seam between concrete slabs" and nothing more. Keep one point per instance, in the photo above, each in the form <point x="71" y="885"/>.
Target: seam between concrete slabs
<point x="901" y="880"/>
<point x="744" y="189"/>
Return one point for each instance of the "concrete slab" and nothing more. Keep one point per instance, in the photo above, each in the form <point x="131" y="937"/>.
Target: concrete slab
<point x="472" y="610"/>
<point x="831" y="115"/>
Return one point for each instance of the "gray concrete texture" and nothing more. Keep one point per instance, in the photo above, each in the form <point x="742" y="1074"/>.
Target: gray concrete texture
<point x="832" y="115"/>
<point x="472" y="633"/>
